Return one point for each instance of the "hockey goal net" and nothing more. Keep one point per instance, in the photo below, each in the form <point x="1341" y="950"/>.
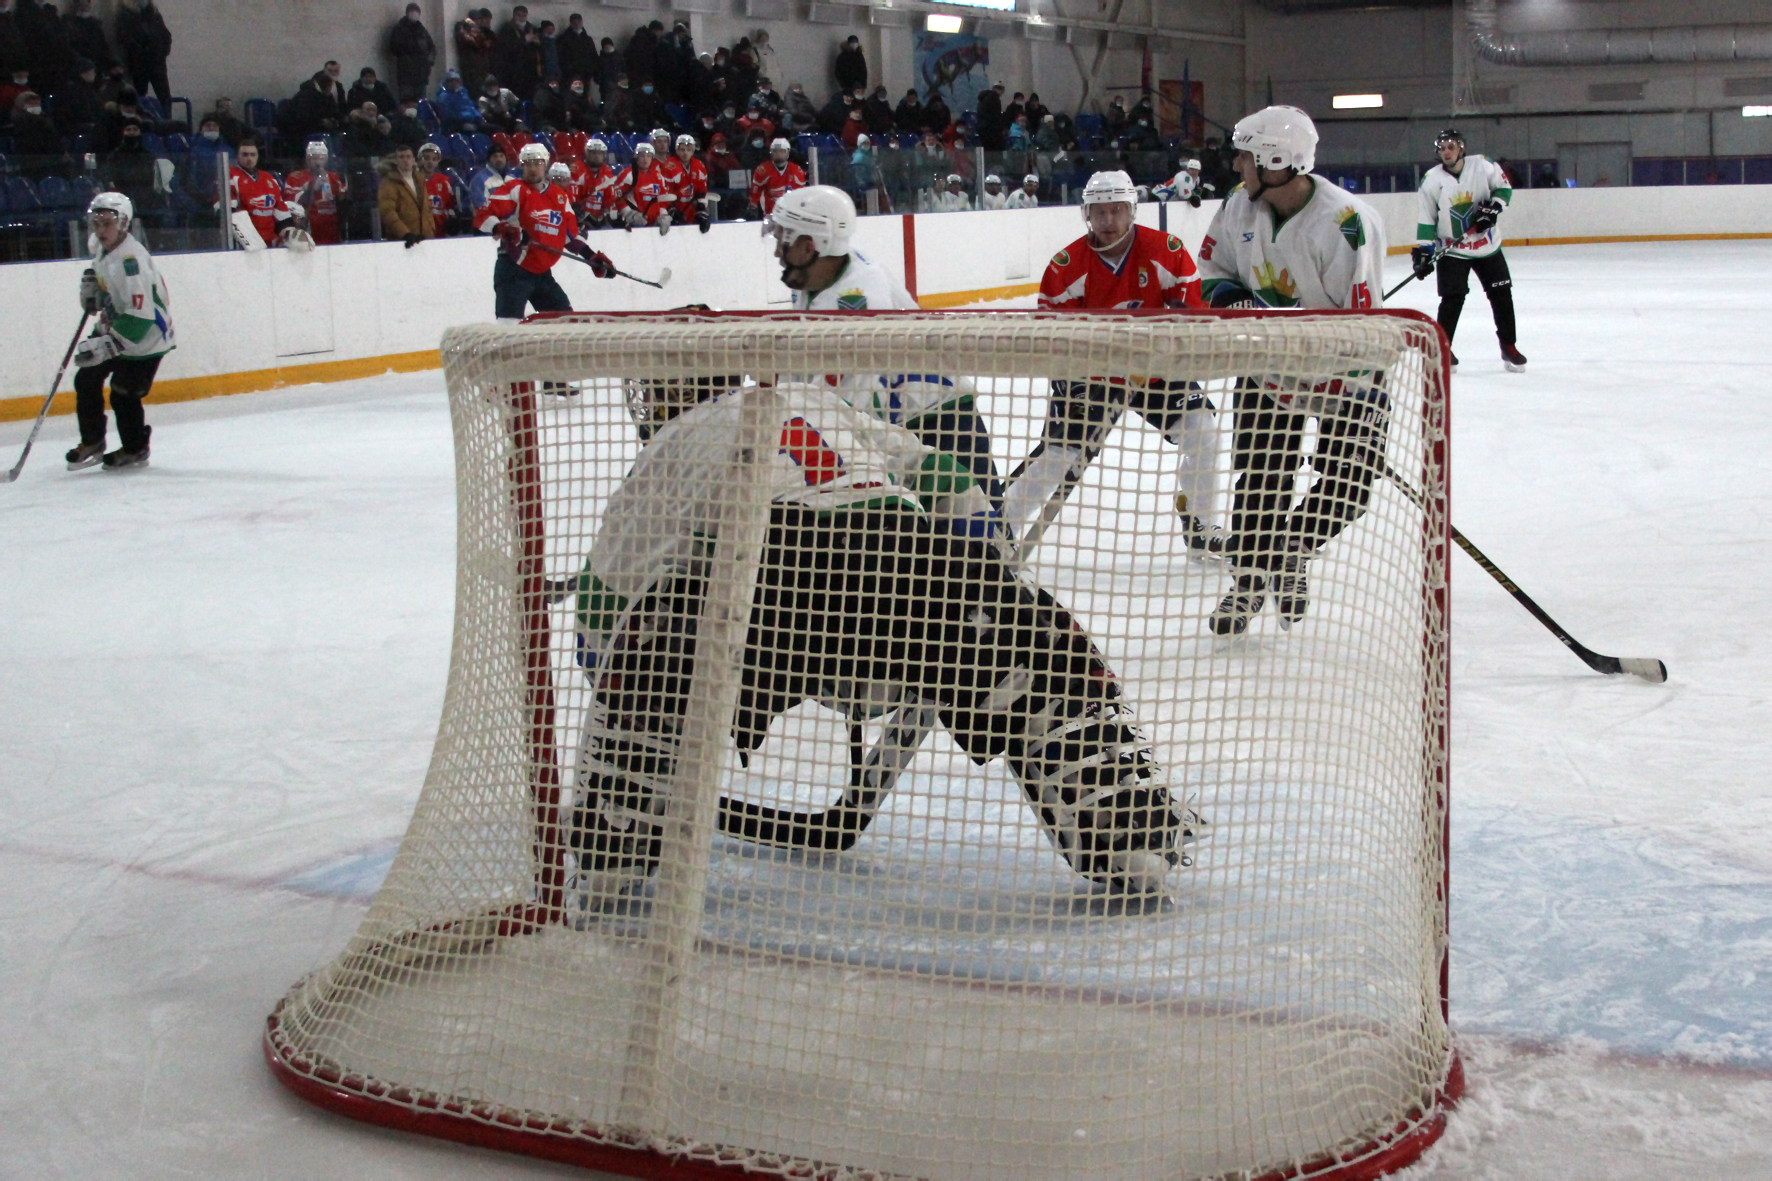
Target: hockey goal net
<point x="815" y="837"/>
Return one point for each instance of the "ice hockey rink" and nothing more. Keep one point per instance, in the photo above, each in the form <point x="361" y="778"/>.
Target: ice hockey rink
<point x="224" y="674"/>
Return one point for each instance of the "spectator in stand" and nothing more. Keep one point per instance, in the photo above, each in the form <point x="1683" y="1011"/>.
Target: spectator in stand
<point x="854" y="128"/>
<point x="1036" y="111"/>
<point x="313" y="194"/>
<point x="990" y="118"/>
<point x="1019" y="140"/>
<point x="414" y="53"/>
<point x="937" y="117"/>
<point x="36" y="144"/>
<point x="774" y="177"/>
<point x="474" y="44"/>
<point x="721" y="162"/>
<point x="851" y="66"/>
<point x="1115" y="122"/>
<point x="1142" y="136"/>
<point x="723" y="70"/>
<point x="640" y="59"/>
<point x="489" y="176"/>
<point x="876" y="112"/>
<point x="931" y="153"/>
<point x="726" y="123"/>
<point x="404" y="127"/>
<point x="86" y="36"/>
<point x="962" y="159"/>
<point x="319" y="105"/>
<point x="405" y="207"/>
<point x="510" y="52"/>
<point x="367" y="133"/>
<point x="439" y="191"/>
<point x="1144" y="109"/>
<point x="110" y="128"/>
<point x="550" y="52"/>
<point x="645" y="109"/>
<point x="835" y="113"/>
<point x="1027" y="196"/>
<point x="747" y="65"/>
<point x="671" y="71"/>
<point x="1046" y="138"/>
<point x="609" y="68"/>
<point x="547" y="109"/>
<point x="753" y="152"/>
<point x="581" y="114"/>
<point x="259" y="193"/>
<point x="993" y="196"/>
<point x="754" y="120"/>
<point x="798" y="114"/>
<point x="144" y="43"/>
<point x="78" y="104"/>
<point x="15" y="48"/>
<point x="908" y="115"/>
<point x="10" y="91"/>
<point x="703" y="130"/>
<point x="618" y="107"/>
<point x="455" y="105"/>
<point x="227" y="122"/>
<point x="369" y="89"/>
<point x="577" y="50"/>
<point x="498" y="106"/>
<point x="207" y="147"/>
<point x="129" y="168"/>
<point x="864" y="177"/>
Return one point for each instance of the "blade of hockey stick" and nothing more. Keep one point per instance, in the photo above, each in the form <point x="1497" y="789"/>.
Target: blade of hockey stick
<point x="1646" y="667"/>
<point x="48" y="398"/>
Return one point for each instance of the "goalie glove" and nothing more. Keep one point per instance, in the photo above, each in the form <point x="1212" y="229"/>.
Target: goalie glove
<point x="1483" y="216"/>
<point x="96" y="350"/>
<point x="297" y="239"/>
<point x="1422" y="258"/>
<point x="92" y="296"/>
<point x="1229" y="295"/>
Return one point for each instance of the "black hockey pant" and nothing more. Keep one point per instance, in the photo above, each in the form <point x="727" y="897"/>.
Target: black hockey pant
<point x="513" y="287"/>
<point x="1492" y="273"/>
<point x="1267" y="453"/>
<point x="132" y="379"/>
<point x="880" y="597"/>
<point x="1080" y="413"/>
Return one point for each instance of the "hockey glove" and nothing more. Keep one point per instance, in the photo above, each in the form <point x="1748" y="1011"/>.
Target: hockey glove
<point x="1422" y="257"/>
<point x="1195" y="199"/>
<point x="664" y="223"/>
<point x="96" y="350"/>
<point x="1229" y="295"/>
<point x="509" y="236"/>
<point x="632" y="218"/>
<point x="600" y="264"/>
<point x="752" y="212"/>
<point x="1484" y="215"/>
<point x="92" y="296"/>
<point x="411" y="240"/>
<point x="703" y="222"/>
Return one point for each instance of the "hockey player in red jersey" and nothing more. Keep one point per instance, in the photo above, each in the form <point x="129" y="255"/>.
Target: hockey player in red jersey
<point x="692" y="186"/>
<point x="672" y="176"/>
<point x="774" y="177"/>
<point x="534" y="224"/>
<point x="1119" y="264"/>
<point x="642" y="194"/>
<point x="439" y="189"/>
<point x="595" y="186"/>
<point x="313" y="195"/>
<point x="258" y="193"/>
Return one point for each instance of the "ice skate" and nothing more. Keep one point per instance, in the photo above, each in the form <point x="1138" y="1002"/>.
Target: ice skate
<point x="1243" y="603"/>
<point x="125" y="457"/>
<point x="86" y="455"/>
<point x="1513" y="358"/>
<point x="1202" y="539"/>
<point x="1291" y="589"/>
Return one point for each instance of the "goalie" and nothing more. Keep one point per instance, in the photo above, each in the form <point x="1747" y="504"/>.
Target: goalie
<point x="864" y="597"/>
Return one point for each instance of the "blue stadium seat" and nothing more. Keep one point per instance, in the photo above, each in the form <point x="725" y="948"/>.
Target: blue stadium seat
<point x="1088" y="124"/>
<point x="150" y="106"/>
<point x="5" y="165"/>
<point x="482" y="144"/>
<point x="545" y="140"/>
<point x="261" y="113"/>
<point x="427" y="118"/>
<point x="679" y="114"/>
<point x="459" y="147"/>
<point x="909" y="140"/>
<point x="21" y="197"/>
<point x="153" y="143"/>
<point x="178" y="145"/>
<point x="85" y="188"/>
<point x="55" y="193"/>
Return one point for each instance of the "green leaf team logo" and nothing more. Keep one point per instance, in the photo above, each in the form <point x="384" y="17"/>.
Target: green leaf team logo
<point x="131" y="267"/>
<point x="852" y="301"/>
<point x="1352" y="228"/>
<point x="1062" y="259"/>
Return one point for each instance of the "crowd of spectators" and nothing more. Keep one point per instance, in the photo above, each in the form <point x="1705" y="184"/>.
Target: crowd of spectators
<point x="80" y="103"/>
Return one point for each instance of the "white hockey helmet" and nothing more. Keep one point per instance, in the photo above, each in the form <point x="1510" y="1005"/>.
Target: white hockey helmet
<point x="686" y="138"/>
<point x="780" y="145"/>
<point x="1278" y="137"/>
<point x="644" y="149"/>
<point x="317" y="150"/>
<point x="659" y="133"/>
<point x="116" y="203"/>
<point x="559" y="171"/>
<point x="993" y="179"/>
<point x="1031" y="178"/>
<point x="533" y="152"/>
<point x="429" y="147"/>
<point x="595" y="145"/>
<point x="1192" y="165"/>
<point x="1109" y="188"/>
<point x="824" y="213"/>
<point x="955" y="178"/>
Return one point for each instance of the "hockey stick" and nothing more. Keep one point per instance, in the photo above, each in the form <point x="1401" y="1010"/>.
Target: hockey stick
<point x="664" y="276"/>
<point x="44" y="412"/>
<point x="1432" y="262"/>
<point x="1646" y="667"/>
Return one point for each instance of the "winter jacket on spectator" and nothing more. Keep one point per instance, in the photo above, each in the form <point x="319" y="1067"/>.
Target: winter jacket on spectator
<point x="908" y="115"/>
<point x="110" y="126"/>
<point x="144" y="42"/>
<point x="834" y="113"/>
<point x="547" y="109"/>
<point x="508" y="54"/>
<point x="201" y="168"/>
<point x="130" y="170"/>
<point x="618" y="105"/>
<point x="405" y="206"/>
<point x="370" y="89"/>
<point x="33" y="135"/>
<point x="1046" y="138"/>
<point x="498" y="106"/>
<point x="851" y="66"/>
<point x="1018" y="140"/>
<point x="797" y="112"/>
<point x="1115" y="121"/>
<point x="404" y="127"/>
<point x="481" y="185"/>
<point x="1036" y="111"/>
<point x="609" y="68"/>
<point x="645" y="111"/>
<point x="367" y="134"/>
<point x="640" y="59"/>
<point x="317" y="107"/>
<point x="854" y="128"/>
<point x="86" y="36"/>
<point x="531" y="65"/>
<point x="15" y="51"/>
<point x="753" y="120"/>
<point x="578" y="51"/>
<point x="226" y="121"/>
<point x="51" y="59"/>
<point x="414" y="53"/>
<point x="473" y="53"/>
<point x="1143" y="137"/>
<point x="722" y="163"/>
<point x="455" y="106"/>
<point x="550" y="52"/>
<point x="990" y="118"/>
<point x="936" y="116"/>
<point x="581" y="113"/>
<point x="747" y="65"/>
<point x="78" y="106"/>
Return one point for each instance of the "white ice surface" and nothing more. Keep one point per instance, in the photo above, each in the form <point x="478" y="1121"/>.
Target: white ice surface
<point x="222" y="677"/>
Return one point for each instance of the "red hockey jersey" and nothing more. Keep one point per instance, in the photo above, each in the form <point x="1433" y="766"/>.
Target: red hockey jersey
<point x="670" y="174"/>
<point x="544" y="215"/>
<point x="1157" y="272"/>
<point x="594" y="189"/>
<point x="769" y="183"/>
<point x="441" y="192"/>
<point x="692" y="186"/>
<point x="261" y="195"/>
<point x="645" y="190"/>
<point x="318" y="194"/>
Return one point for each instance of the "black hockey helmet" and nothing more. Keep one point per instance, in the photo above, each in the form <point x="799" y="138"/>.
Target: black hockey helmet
<point x="1450" y="135"/>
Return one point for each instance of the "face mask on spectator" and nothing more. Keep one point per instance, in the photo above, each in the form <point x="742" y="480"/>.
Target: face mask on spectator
<point x="578" y="88"/>
<point x="33" y="109"/>
<point x="210" y="133"/>
<point x="646" y="88"/>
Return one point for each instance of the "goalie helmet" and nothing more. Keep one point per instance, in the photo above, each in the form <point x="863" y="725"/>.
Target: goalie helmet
<point x="533" y="152"/>
<point x="652" y="403"/>
<point x="1278" y="137"/>
<point x="116" y="203"/>
<point x="823" y="213"/>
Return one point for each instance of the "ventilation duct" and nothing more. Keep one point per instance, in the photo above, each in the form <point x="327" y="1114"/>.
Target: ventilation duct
<point x="1616" y="47"/>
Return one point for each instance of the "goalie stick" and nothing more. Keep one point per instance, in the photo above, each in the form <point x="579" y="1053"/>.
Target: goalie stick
<point x="1647" y="667"/>
<point x="44" y="412"/>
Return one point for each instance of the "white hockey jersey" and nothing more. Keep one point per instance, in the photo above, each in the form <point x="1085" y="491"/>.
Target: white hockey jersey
<point x="948" y="202"/>
<point x="1446" y="201"/>
<point x="1022" y="199"/>
<point x="1180" y="187"/>
<point x="830" y="456"/>
<point x="1330" y="254"/>
<point x="137" y="309"/>
<point x="990" y="200"/>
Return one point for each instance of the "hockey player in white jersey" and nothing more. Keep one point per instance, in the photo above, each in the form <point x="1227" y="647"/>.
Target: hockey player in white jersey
<point x="125" y="291"/>
<point x="863" y="598"/>
<point x="1286" y="238"/>
<point x="1461" y="199"/>
<point x="1185" y="185"/>
<point x="1028" y="195"/>
<point x="993" y="196"/>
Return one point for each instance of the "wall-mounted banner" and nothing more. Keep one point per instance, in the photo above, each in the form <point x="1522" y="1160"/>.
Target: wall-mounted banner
<point x="954" y="65"/>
